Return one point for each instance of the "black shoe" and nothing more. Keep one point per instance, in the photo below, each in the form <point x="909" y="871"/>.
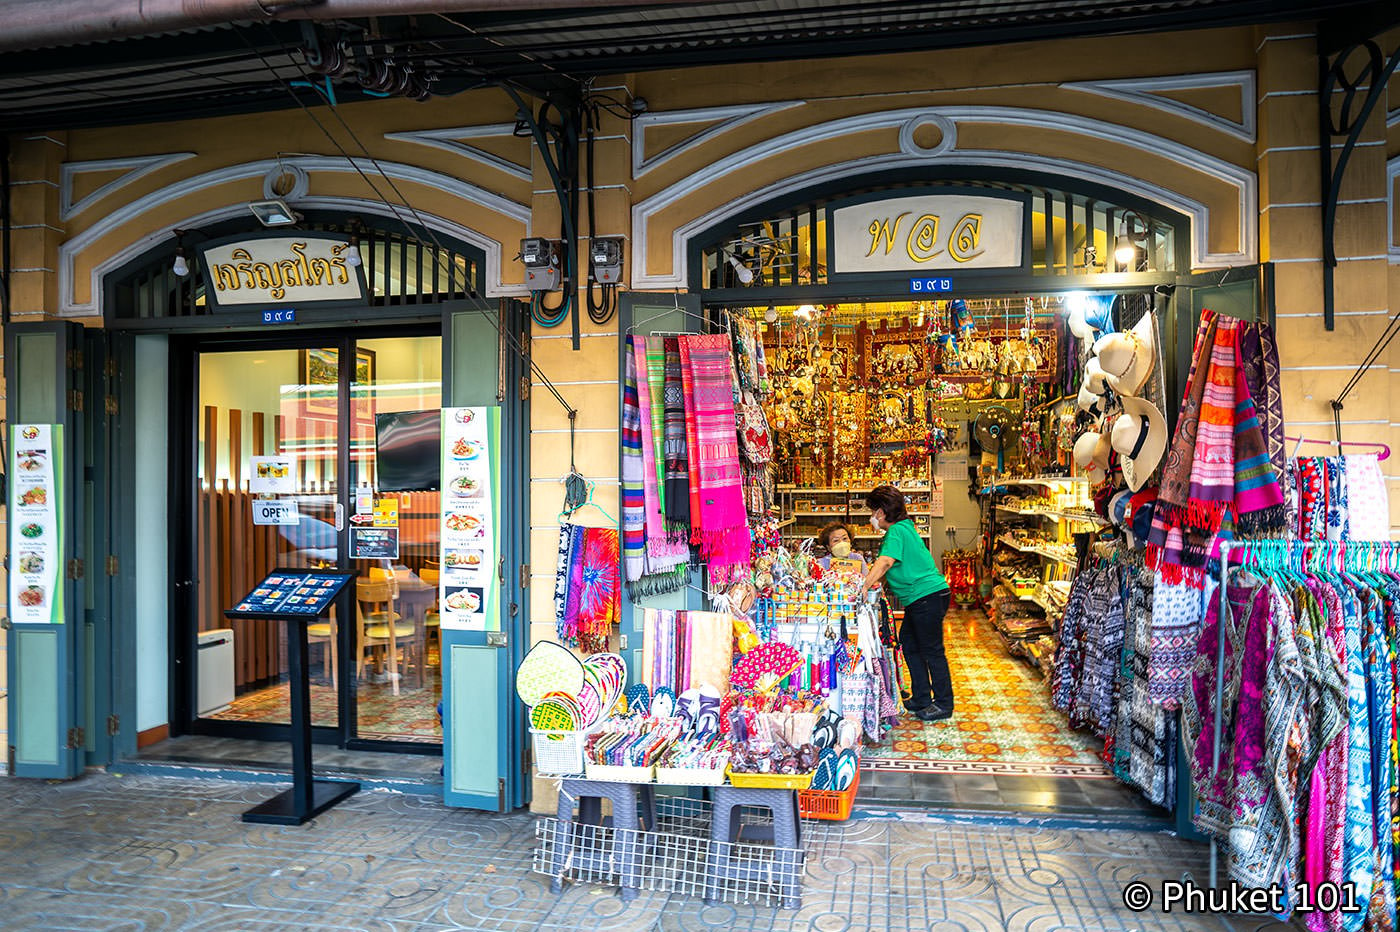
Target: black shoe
<point x="913" y="709"/>
<point x="935" y="713"/>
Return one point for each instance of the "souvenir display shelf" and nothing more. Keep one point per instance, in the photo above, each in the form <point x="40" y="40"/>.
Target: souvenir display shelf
<point x="805" y="511"/>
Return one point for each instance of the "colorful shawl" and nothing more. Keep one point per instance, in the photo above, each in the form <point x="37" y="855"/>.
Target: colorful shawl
<point x="662" y="551"/>
<point x="675" y="492"/>
<point x="692" y="445"/>
<point x="1258" y="496"/>
<point x="591" y="601"/>
<point x="1213" y="466"/>
<point x="724" y="529"/>
<point x="645" y="577"/>
<point x="1260" y="362"/>
<point x="1164" y="541"/>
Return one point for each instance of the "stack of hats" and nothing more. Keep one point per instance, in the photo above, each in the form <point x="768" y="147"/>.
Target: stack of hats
<point x="1114" y="379"/>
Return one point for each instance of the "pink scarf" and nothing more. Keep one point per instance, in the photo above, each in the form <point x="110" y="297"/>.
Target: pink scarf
<point x="724" y="529"/>
<point x="662" y="553"/>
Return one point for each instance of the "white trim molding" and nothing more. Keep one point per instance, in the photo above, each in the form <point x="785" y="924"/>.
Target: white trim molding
<point x="1242" y="180"/>
<point x="1147" y="91"/>
<point x="723" y="118"/>
<point x="454" y="140"/>
<point x="68" y="252"/>
<point x="137" y="167"/>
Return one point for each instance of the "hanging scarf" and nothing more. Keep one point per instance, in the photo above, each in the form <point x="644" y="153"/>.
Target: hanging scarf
<point x="663" y="553"/>
<point x="644" y="577"/>
<point x="1213" y="467"/>
<point x="1337" y="510"/>
<point x="676" y="489"/>
<point x="590" y="604"/>
<point x="1311" y="472"/>
<point x="561" y="578"/>
<point x="724" y="529"/>
<point x="1259" y="360"/>
<point x="633" y="497"/>
<point x="1164" y="541"/>
<point x="692" y="444"/>
<point x="656" y="388"/>
<point x="1258" y="496"/>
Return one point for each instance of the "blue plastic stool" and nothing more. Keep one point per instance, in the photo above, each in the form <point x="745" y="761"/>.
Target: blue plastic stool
<point x="632" y="803"/>
<point x="726" y="826"/>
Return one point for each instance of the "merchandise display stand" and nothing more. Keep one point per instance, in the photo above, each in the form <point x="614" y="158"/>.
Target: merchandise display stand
<point x="630" y="801"/>
<point x="296" y="597"/>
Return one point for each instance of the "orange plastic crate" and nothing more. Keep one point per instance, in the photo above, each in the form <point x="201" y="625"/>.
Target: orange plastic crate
<point x="830" y="805"/>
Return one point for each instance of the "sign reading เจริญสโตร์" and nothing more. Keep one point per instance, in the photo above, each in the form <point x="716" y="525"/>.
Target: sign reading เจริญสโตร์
<point x="281" y="270"/>
<point x="36" y="534"/>
<point x="940" y="231"/>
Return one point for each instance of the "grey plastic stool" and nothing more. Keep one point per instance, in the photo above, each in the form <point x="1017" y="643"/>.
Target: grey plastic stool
<point x="725" y="829"/>
<point x="630" y="802"/>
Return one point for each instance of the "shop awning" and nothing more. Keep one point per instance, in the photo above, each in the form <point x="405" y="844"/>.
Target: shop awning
<point x="202" y="68"/>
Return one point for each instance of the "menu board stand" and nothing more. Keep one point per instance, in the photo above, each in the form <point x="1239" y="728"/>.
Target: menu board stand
<point x="308" y="797"/>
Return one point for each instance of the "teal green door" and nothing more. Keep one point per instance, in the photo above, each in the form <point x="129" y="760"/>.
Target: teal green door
<point x="46" y="603"/>
<point x="484" y="761"/>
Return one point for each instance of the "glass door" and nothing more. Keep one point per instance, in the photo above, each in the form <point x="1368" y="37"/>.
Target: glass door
<point x="269" y="430"/>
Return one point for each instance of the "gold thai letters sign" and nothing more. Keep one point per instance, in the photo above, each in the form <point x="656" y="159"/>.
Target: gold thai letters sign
<point x="294" y="270"/>
<point x="936" y="231"/>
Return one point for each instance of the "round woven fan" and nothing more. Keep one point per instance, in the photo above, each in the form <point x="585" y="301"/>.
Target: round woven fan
<point x="547" y="668"/>
<point x="765" y="666"/>
<point x="995" y="429"/>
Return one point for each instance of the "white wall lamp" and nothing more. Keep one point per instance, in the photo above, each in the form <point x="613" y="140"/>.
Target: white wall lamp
<point x="180" y="266"/>
<point x="741" y="270"/>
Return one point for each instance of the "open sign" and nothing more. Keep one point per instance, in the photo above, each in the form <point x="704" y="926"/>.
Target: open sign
<point x="275" y="511"/>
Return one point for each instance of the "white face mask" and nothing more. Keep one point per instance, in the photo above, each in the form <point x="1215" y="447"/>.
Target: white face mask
<point x="841" y="549"/>
<point x="875" y="522"/>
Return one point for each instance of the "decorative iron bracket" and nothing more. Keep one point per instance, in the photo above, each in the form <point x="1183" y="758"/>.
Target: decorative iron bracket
<point x="1355" y="110"/>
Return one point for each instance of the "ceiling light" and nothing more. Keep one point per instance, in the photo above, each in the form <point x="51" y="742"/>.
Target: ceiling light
<point x="805" y="312"/>
<point x="353" y="260"/>
<point x="274" y="213"/>
<point x="741" y="271"/>
<point x="771" y="315"/>
<point x="180" y="267"/>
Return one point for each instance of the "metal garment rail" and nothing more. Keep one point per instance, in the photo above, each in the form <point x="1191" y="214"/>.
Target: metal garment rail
<point x="1337" y="552"/>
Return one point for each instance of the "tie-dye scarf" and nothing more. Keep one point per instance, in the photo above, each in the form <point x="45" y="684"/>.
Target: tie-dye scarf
<point x="590" y="604"/>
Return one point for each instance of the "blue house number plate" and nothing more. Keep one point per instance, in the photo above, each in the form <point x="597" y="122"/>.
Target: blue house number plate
<point x="930" y="285"/>
<point x="285" y="316"/>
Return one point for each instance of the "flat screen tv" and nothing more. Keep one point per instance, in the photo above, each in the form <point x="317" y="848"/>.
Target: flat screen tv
<point x="408" y="450"/>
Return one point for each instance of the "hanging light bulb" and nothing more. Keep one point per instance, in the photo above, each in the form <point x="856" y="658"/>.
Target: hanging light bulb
<point x="180" y="266"/>
<point x="1124" y="250"/>
<point x="771" y="315"/>
<point x="353" y="259"/>
<point x="741" y="271"/>
<point x="805" y="312"/>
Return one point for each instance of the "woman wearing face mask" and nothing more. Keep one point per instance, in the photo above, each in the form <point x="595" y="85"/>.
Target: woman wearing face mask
<point x="836" y="538"/>
<point x="907" y="566"/>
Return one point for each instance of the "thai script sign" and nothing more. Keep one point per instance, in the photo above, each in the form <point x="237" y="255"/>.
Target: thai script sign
<point x="943" y="231"/>
<point x="281" y="270"/>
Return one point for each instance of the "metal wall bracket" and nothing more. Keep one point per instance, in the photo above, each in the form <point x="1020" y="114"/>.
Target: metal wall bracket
<point x="1361" y="91"/>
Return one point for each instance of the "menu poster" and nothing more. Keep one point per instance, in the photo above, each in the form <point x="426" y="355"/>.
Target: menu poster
<point x="291" y="592"/>
<point x="36" y="527"/>
<point x="272" y="475"/>
<point x="468" y="588"/>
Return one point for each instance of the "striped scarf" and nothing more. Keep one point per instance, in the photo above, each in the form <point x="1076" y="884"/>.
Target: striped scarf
<point x="645" y="577"/>
<point x="676" y="491"/>
<point x="1258" y="496"/>
<point x="724" y="529"/>
<point x="692" y="445"/>
<point x="1212" y="492"/>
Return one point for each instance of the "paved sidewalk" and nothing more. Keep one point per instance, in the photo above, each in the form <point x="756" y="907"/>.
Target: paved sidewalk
<point x="145" y="853"/>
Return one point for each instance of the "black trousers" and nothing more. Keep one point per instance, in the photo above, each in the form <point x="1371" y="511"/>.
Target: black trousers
<point x="921" y="635"/>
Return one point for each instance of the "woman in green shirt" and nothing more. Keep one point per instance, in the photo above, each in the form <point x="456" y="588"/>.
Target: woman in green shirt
<point x="907" y="567"/>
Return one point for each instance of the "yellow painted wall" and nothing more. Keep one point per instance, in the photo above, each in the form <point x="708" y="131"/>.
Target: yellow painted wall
<point x="1013" y="105"/>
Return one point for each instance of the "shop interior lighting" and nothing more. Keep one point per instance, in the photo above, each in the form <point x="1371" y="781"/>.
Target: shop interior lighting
<point x="771" y="315"/>
<point x="741" y="271"/>
<point x="805" y="312"/>
<point x="274" y="213"/>
<point x="180" y="266"/>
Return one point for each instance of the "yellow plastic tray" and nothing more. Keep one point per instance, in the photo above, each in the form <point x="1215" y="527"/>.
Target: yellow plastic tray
<point x="770" y="781"/>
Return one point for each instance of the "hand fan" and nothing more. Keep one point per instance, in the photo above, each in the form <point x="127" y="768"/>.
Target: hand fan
<point x="764" y="667"/>
<point x="590" y="702"/>
<point x="547" y="668"/>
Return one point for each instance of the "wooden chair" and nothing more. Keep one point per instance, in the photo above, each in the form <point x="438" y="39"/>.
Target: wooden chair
<point x="324" y="631"/>
<point x="381" y="626"/>
<point x="433" y="620"/>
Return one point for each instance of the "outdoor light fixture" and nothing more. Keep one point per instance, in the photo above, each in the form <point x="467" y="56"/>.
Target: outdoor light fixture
<point x="741" y="271"/>
<point x="541" y="260"/>
<point x="274" y="213"/>
<point x="180" y="267"/>
<point x="605" y="258"/>
<point x="353" y="259"/>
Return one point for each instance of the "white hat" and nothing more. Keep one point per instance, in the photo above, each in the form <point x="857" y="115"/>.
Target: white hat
<point x="1140" y="437"/>
<point x="1093" y="388"/>
<point x="1127" y="359"/>
<point x="1088" y="401"/>
<point x="1091" y="455"/>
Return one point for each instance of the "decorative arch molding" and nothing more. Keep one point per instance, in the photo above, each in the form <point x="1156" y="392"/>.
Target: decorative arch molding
<point x="70" y="306"/>
<point x="137" y="167"/>
<point x="948" y="119"/>
<point x="714" y="121"/>
<point x="1149" y="93"/>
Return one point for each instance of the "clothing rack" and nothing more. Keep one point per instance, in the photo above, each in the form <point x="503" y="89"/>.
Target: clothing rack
<point x="1310" y="554"/>
<point x="1340" y="444"/>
